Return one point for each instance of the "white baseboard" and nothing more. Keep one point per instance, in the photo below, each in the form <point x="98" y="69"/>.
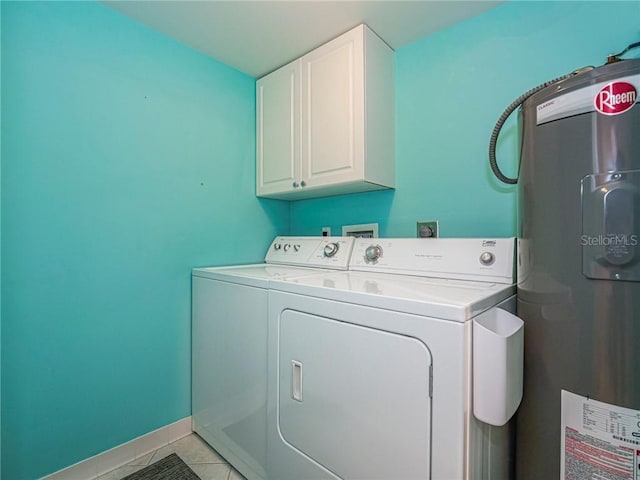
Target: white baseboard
<point x="104" y="462"/>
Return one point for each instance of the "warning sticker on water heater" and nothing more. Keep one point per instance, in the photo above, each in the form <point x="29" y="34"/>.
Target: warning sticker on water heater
<point x="599" y="440"/>
<point x="613" y="97"/>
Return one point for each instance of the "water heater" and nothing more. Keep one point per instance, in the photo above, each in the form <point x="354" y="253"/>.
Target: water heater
<point x="579" y="277"/>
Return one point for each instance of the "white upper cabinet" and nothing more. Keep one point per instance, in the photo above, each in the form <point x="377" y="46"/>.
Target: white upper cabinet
<point x="325" y="122"/>
<point x="278" y="130"/>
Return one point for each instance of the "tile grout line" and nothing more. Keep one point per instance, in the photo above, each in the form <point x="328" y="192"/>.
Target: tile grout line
<point x="154" y="455"/>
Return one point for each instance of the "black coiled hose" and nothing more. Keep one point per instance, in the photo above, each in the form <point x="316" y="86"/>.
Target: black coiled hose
<point x="500" y="123"/>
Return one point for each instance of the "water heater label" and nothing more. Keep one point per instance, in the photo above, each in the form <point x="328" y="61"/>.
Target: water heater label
<point x="607" y="98"/>
<point x="616" y="98"/>
<point x="599" y="440"/>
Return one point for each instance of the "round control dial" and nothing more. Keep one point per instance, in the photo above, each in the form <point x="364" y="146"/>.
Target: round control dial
<point x="372" y="253"/>
<point x="277" y="246"/>
<point x="487" y="258"/>
<point x="287" y="246"/>
<point x="330" y="249"/>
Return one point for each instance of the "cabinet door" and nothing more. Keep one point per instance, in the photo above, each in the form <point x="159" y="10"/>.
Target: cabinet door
<point x="278" y="130"/>
<point x="333" y="111"/>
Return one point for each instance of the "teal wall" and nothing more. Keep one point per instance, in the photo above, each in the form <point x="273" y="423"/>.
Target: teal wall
<point x="451" y="87"/>
<point x="127" y="159"/>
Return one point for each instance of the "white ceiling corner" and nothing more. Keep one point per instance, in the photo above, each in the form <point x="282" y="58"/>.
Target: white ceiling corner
<point x="257" y="36"/>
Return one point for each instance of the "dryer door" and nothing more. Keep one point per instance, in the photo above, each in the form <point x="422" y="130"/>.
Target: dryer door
<point x="354" y="399"/>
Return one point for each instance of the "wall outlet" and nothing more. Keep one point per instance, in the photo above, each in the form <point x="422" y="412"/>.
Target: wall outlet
<point x="326" y="231"/>
<point x="427" y="229"/>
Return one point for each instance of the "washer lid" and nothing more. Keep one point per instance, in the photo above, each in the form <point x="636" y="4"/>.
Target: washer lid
<point x="256" y="275"/>
<point x="447" y="299"/>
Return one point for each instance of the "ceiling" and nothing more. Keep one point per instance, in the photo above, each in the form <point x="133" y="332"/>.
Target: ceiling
<point x="256" y="37"/>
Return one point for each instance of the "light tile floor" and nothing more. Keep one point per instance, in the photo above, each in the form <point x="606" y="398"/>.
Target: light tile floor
<point x="193" y="451"/>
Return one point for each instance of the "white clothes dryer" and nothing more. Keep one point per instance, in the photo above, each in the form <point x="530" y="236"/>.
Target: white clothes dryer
<point x="229" y="344"/>
<point x="370" y="371"/>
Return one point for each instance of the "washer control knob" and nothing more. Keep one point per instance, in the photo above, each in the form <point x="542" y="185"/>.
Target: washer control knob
<point x="487" y="258"/>
<point x="296" y="248"/>
<point x="372" y="253"/>
<point x="330" y="249"/>
<point x="287" y="246"/>
<point x="277" y="246"/>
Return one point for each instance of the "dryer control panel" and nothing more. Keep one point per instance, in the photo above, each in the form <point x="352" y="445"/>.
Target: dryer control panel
<point x="325" y="252"/>
<point x="478" y="259"/>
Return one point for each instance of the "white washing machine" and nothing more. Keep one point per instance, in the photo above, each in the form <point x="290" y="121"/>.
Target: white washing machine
<point x="370" y="371"/>
<point x="229" y="344"/>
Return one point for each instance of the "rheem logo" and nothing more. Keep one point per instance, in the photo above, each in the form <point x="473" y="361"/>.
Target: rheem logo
<point x="615" y="98"/>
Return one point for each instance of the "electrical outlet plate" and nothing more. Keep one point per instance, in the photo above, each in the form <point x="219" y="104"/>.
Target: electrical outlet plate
<point x="427" y="229"/>
<point x="326" y="231"/>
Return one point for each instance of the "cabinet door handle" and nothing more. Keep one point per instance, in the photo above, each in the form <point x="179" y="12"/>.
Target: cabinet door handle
<point x="303" y="183"/>
<point x="295" y="185"/>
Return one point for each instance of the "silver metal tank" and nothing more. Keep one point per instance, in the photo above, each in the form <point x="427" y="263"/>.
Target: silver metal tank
<point x="579" y="258"/>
